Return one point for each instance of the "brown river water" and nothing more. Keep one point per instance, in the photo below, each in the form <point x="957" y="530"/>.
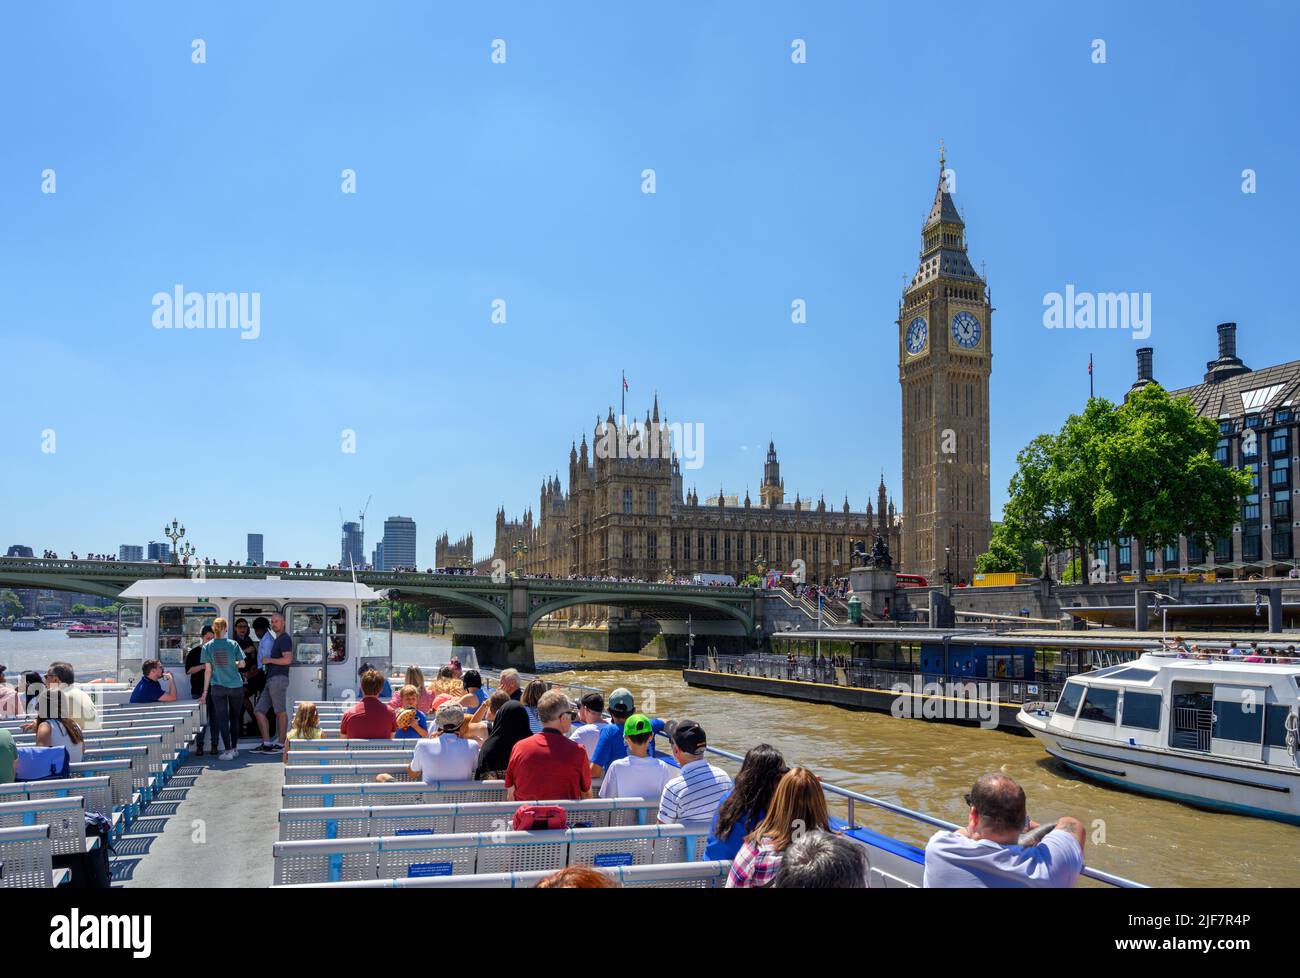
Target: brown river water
<point x="923" y="766"/>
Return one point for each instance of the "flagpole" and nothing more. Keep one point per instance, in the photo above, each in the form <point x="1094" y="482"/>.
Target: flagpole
<point x="622" y="412"/>
<point x="1090" y="385"/>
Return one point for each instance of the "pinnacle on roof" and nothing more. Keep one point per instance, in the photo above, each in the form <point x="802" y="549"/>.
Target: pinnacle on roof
<point x="943" y="209"/>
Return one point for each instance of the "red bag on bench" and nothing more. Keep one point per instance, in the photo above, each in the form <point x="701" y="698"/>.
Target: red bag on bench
<point x="539" y="818"/>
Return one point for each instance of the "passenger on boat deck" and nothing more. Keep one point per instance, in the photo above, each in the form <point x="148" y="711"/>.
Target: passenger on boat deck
<point x="424" y="697"/>
<point x="822" y="861"/>
<point x="798" y="806"/>
<point x="986" y="853"/>
<point x="509" y="681"/>
<point x="305" y="726"/>
<point x="591" y="720"/>
<point x="61" y="675"/>
<point x="412" y="723"/>
<point x="638" y="775"/>
<point x="276" y="693"/>
<point x="55" y="725"/>
<point x="548" y="766"/>
<point x="747" y="803"/>
<point x="509" y="727"/>
<point x="446" y="756"/>
<point x="197" y="671"/>
<point x="577" y="878"/>
<point x="610" y="745"/>
<point x="8" y="757"/>
<point x="533" y="694"/>
<point x="370" y="718"/>
<point x="693" y="797"/>
<point x="472" y="682"/>
<point x="385" y="691"/>
<point x="150" y="688"/>
<point x="10" y="701"/>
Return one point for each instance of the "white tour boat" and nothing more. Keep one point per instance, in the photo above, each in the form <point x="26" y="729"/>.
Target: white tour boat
<point x="1219" y="732"/>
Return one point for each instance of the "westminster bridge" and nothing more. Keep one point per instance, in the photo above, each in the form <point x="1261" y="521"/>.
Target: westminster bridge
<point x="494" y="615"/>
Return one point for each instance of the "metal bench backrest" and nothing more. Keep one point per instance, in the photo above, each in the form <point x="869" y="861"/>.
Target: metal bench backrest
<point x="118" y="773"/>
<point x="363" y="821"/>
<point x="66" y="818"/>
<point x="396" y="793"/>
<point x="97" y="791"/>
<point x="699" y="875"/>
<point x="26" y="858"/>
<point x="392" y="857"/>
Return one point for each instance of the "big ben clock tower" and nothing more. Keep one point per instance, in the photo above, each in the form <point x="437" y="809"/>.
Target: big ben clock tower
<point x="944" y="362"/>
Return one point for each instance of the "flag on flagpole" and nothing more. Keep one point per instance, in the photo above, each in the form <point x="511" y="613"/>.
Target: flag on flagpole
<point x="625" y="383"/>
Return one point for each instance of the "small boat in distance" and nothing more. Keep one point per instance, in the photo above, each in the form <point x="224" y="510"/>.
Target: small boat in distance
<point x="1220" y="733"/>
<point x="92" y="629"/>
<point x="26" y="625"/>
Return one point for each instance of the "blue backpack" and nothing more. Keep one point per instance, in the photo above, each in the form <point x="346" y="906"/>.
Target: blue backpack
<point x="41" y="763"/>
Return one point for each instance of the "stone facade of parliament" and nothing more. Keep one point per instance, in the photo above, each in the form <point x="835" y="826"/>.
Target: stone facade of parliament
<point x="629" y="516"/>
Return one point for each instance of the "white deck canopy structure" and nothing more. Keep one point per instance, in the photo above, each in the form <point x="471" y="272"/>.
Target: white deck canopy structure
<point x="335" y="626"/>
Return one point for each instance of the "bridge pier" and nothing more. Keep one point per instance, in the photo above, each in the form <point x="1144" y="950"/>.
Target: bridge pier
<point x="514" y="650"/>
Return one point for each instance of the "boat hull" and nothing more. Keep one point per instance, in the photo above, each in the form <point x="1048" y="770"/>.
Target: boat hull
<point x="1200" y="780"/>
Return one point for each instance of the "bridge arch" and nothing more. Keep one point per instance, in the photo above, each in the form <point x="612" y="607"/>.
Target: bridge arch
<point x="539" y="611"/>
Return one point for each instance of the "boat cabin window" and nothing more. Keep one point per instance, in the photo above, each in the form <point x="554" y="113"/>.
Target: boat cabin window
<point x="1068" y="705"/>
<point x="1100" y="705"/>
<point x="1275" y="724"/>
<point x="305" y="624"/>
<point x="338" y="633"/>
<point x="1141" y="710"/>
<point x="180" y="628"/>
<point x="1239" y="718"/>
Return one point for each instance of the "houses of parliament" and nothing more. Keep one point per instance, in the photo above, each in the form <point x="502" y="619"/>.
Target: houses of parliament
<point x="630" y="516"/>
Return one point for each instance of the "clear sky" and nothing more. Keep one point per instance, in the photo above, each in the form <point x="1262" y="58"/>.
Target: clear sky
<point x="522" y="181"/>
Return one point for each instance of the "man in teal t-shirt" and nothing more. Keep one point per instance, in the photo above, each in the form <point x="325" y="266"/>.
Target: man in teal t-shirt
<point x="8" y="757"/>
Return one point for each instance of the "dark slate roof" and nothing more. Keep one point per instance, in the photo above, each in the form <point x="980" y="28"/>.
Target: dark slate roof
<point x="943" y="209"/>
<point x="1230" y="397"/>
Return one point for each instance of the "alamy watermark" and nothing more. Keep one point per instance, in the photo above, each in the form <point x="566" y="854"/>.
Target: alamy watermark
<point x="1098" y="310"/>
<point x="946" y="701"/>
<point x="179" y="309"/>
<point x="653" y="441"/>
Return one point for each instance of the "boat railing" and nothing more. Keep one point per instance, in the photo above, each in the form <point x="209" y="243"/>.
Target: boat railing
<point x="856" y="798"/>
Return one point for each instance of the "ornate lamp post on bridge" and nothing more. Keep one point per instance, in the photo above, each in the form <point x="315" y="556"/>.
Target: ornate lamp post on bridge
<point x="174" y="533"/>
<point x="520" y="550"/>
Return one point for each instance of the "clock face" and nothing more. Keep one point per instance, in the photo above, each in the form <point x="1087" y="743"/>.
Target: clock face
<point x="917" y="335"/>
<point x="966" y="330"/>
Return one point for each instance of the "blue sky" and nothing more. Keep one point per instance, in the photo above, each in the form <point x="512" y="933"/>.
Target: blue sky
<point x="522" y="181"/>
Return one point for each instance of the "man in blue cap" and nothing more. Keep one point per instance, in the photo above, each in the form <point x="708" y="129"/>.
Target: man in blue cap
<point x="610" y="746"/>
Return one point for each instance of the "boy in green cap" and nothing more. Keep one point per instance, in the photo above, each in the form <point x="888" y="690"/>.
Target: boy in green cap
<point x="638" y="775"/>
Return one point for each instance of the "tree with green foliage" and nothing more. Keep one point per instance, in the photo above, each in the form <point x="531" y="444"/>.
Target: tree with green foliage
<point x="1159" y="477"/>
<point x="1144" y="469"/>
<point x="1010" y="552"/>
<point x="10" y="604"/>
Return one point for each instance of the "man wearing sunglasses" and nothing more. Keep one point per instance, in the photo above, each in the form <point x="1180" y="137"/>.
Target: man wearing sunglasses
<point x="548" y="766"/>
<point x="987" y="853"/>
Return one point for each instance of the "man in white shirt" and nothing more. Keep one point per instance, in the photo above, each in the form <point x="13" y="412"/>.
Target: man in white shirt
<point x="694" y="796"/>
<point x="446" y="756"/>
<point x="638" y="775"/>
<point x="591" y="719"/>
<point x="60" y="675"/>
<point x="987" y="852"/>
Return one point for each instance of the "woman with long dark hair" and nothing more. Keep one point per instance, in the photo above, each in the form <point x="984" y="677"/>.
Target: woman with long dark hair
<point x="509" y="727"/>
<point x="748" y="802"/>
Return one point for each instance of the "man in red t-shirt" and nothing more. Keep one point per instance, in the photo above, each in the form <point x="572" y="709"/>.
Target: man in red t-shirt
<point x="372" y="718"/>
<point x="548" y="766"/>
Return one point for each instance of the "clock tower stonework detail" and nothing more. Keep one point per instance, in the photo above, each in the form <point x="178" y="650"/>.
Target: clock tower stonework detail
<point x="945" y="356"/>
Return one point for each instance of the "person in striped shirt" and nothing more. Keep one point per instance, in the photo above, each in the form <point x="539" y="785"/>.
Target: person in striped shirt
<point x="692" y="798"/>
<point x="798" y="807"/>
